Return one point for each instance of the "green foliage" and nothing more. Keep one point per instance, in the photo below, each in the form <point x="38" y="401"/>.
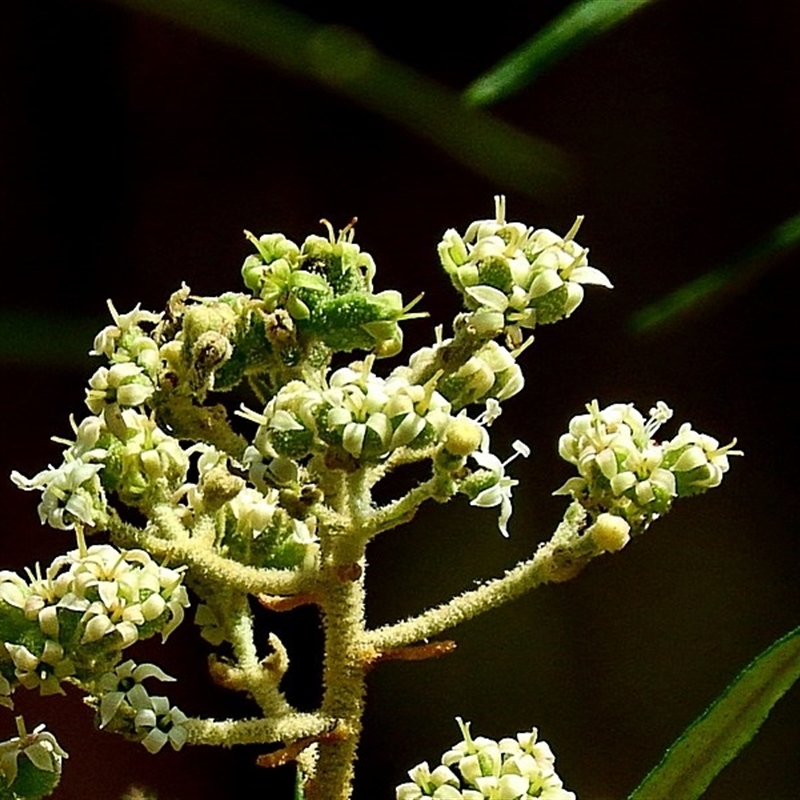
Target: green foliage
<point x="583" y="21"/>
<point x="720" y="733"/>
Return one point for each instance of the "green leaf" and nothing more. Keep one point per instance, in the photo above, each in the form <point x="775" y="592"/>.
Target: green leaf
<point x="299" y="794"/>
<point x="345" y="62"/>
<point x="720" y="733"/>
<point x="580" y="23"/>
<point x="728" y="278"/>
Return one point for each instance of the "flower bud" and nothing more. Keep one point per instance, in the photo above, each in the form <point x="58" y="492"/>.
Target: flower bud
<point x="462" y="436"/>
<point x="610" y="532"/>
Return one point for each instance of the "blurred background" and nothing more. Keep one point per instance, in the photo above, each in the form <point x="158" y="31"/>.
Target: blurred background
<point x="138" y="139"/>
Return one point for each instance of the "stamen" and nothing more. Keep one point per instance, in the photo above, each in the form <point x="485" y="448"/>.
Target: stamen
<point x="573" y="231"/>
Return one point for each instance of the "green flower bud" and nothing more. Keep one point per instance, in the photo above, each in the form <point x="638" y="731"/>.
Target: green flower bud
<point x="358" y="321"/>
<point x="341" y="261"/>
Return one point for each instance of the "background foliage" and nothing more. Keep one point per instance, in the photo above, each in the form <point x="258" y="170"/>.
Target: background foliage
<point x="134" y="150"/>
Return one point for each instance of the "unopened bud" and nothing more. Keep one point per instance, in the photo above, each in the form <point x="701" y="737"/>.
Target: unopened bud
<point x="463" y="436"/>
<point x="610" y="532"/>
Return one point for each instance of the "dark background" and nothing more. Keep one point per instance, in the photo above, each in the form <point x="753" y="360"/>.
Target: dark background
<point x="132" y="154"/>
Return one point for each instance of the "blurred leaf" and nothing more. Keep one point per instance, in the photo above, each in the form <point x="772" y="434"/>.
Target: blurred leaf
<point x="717" y="736"/>
<point x="708" y="286"/>
<point x="45" y="339"/>
<point x="345" y="62"/>
<point x="579" y="24"/>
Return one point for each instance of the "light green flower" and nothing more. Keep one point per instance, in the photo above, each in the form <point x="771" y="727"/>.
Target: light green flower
<point x="441" y="784"/>
<point x="159" y="723"/>
<point x="71" y="493"/>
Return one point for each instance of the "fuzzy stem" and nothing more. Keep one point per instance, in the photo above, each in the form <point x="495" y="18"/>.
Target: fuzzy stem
<point x="286" y="728"/>
<point x="342" y="605"/>
<point x="398" y="512"/>
<point x="556" y="561"/>
<point x="208" y="566"/>
<point x="344" y="677"/>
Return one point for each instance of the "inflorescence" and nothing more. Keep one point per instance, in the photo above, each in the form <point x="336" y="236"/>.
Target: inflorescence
<point x="224" y="452"/>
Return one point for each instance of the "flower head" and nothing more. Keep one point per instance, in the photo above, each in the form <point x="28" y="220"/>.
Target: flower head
<point x="513" y="277"/>
<point x="624" y="471"/>
<point x="478" y="768"/>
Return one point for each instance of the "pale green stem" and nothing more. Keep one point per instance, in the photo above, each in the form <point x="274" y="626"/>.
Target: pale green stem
<point x="344" y="677"/>
<point x="240" y="631"/>
<point x="287" y="728"/>
<point x="210" y="567"/>
<point x="342" y="605"/>
<point x="559" y="559"/>
<point x="403" y="510"/>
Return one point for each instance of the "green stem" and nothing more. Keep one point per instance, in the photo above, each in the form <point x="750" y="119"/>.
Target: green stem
<point x="210" y="567"/>
<point x="559" y="560"/>
<point x="344" y="677"/>
<point x="287" y="728"/>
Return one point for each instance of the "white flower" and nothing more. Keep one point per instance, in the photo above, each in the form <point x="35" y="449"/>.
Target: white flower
<point x="698" y="458"/>
<point x="70" y="493"/>
<point x="45" y="671"/>
<point x="441" y="784"/>
<point x="108" y="340"/>
<point x="124" y="385"/>
<point x="499" y="493"/>
<point x="124" y="683"/>
<point x="39" y="746"/>
<point x="161" y="722"/>
<point x="131" y="590"/>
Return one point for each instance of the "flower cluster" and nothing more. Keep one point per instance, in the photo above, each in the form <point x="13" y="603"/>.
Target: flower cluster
<point x="86" y="608"/>
<point x="361" y="415"/>
<point x="474" y="769"/>
<point x="124" y="452"/>
<point x="71" y="493"/>
<point x="625" y="472"/>
<point x="326" y="288"/>
<point x="254" y="528"/>
<point x="491" y="372"/>
<point x="514" y="277"/>
<point x="127" y="706"/>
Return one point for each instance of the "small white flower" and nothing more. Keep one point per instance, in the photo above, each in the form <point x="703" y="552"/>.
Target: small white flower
<point x="125" y="683"/>
<point x="39" y="746"/>
<point x="161" y="722"/>
<point x="108" y="340"/>
<point x="499" y="493"/>
<point x="69" y="493"/>
<point x="441" y="784"/>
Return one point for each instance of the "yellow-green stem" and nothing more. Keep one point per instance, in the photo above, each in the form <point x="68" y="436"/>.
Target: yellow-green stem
<point x="344" y="678"/>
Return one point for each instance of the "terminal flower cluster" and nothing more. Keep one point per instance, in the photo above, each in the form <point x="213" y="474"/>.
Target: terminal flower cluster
<point x="515" y="277"/>
<point x="624" y="471"/>
<point x="474" y="769"/>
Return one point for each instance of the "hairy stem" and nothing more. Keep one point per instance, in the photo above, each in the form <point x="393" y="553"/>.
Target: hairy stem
<point x="556" y="561"/>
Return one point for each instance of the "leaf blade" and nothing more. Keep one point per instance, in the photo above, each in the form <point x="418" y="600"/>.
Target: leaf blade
<point x="581" y="22"/>
<point x="716" y="737"/>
